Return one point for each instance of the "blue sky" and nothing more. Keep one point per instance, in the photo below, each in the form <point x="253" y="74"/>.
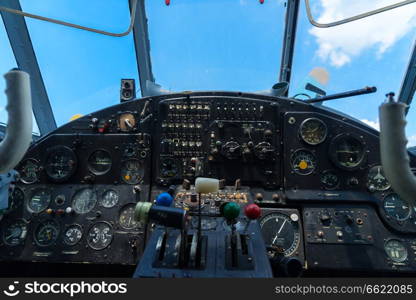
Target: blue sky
<point x="216" y="45"/>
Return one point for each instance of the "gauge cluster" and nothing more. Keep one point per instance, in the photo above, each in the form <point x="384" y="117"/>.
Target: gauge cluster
<point x="327" y="154"/>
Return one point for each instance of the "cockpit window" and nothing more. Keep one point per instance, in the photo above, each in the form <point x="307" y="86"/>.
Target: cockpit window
<point x="7" y="62"/>
<point x="81" y="70"/>
<point x="216" y="45"/>
<point x="374" y="51"/>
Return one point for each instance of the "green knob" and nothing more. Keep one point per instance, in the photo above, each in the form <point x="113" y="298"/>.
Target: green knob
<point x="231" y="210"/>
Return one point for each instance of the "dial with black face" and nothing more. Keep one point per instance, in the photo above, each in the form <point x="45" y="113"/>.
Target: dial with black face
<point x="313" y="131"/>
<point x="281" y="231"/>
<point x="347" y="151"/>
<point x="100" y="235"/>
<point x="110" y="199"/>
<point x="84" y="200"/>
<point x="29" y="171"/>
<point x="168" y="167"/>
<point x="61" y="163"/>
<point x="396" y="250"/>
<point x="15" y="233"/>
<point x="99" y="162"/>
<point x="376" y="180"/>
<point x="132" y="171"/>
<point x="73" y="235"/>
<point x="303" y="162"/>
<point x="46" y="233"/>
<point x="126" y="218"/>
<point x="396" y="207"/>
<point x="330" y="179"/>
<point x="39" y="200"/>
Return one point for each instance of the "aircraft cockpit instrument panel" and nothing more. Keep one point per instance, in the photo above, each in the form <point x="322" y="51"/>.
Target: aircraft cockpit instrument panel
<point x="315" y="173"/>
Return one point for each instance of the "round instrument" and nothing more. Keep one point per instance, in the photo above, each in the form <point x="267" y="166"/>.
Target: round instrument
<point x="281" y="231"/>
<point x="303" y="162"/>
<point x="313" y="131"/>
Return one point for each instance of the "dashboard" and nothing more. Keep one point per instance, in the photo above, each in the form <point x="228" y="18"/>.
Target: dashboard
<point x="314" y="172"/>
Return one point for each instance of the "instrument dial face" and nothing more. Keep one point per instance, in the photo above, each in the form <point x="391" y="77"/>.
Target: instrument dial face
<point x="330" y="179"/>
<point x="264" y="150"/>
<point x="396" y="250"/>
<point x="279" y="230"/>
<point x="347" y="151"/>
<point x="17" y="197"/>
<point x="126" y="218"/>
<point x="39" y="200"/>
<point x="15" y="233"/>
<point x="29" y="171"/>
<point x="84" y="200"/>
<point x="132" y="171"/>
<point x="396" y="207"/>
<point x="100" y="235"/>
<point x="313" y="131"/>
<point x="46" y="233"/>
<point x="110" y="199"/>
<point x="60" y="164"/>
<point x="73" y="235"/>
<point x="168" y="168"/>
<point x="99" y="162"/>
<point x="377" y="181"/>
<point x="303" y="162"/>
<point x="126" y="122"/>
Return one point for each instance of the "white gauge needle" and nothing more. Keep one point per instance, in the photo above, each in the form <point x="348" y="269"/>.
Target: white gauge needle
<point x="277" y="234"/>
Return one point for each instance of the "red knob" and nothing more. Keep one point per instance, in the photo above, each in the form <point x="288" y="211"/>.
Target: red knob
<point x="167" y="2"/>
<point x="252" y="211"/>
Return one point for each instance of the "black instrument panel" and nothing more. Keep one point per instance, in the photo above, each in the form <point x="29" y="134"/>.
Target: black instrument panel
<point x="79" y="184"/>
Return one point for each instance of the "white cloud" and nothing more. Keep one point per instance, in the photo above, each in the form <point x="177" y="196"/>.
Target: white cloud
<point x="412" y="141"/>
<point x="340" y="44"/>
<point x="374" y="124"/>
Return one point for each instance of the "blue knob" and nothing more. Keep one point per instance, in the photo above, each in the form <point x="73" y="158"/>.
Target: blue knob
<point x="164" y="199"/>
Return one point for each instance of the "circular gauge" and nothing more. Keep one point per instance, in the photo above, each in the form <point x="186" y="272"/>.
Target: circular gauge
<point x="99" y="162"/>
<point x="39" y="200"/>
<point x="397" y="207"/>
<point x="84" y="200"/>
<point x="46" y="233"/>
<point x="347" y="151"/>
<point x="110" y="199"/>
<point x="100" y="235"/>
<point x="396" y="250"/>
<point x="281" y="231"/>
<point x="231" y="150"/>
<point x="126" y="218"/>
<point x="330" y="179"/>
<point x="17" y="197"/>
<point x="376" y="180"/>
<point x="263" y="150"/>
<point x="29" y="171"/>
<point x="303" y="162"/>
<point x="126" y="122"/>
<point x="313" y="131"/>
<point x="15" y="233"/>
<point x="132" y="171"/>
<point x="168" y="168"/>
<point x="60" y="163"/>
<point x="73" y="235"/>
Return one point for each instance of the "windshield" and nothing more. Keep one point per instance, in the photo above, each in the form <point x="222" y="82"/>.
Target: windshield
<point x="216" y="44"/>
<point x="221" y="45"/>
